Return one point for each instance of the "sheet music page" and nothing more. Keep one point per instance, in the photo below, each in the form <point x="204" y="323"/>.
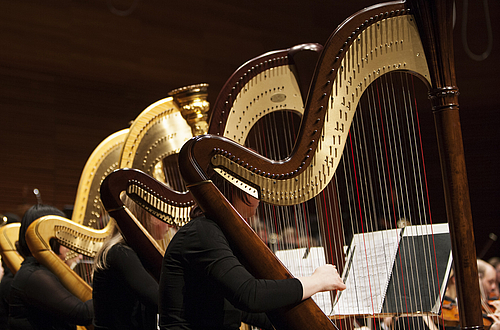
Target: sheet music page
<point x="302" y="262"/>
<point x="368" y="267"/>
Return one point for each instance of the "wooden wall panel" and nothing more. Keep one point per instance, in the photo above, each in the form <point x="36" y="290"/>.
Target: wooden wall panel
<point x="72" y="73"/>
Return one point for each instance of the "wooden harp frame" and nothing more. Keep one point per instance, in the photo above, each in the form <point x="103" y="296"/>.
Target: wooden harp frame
<point x="203" y="153"/>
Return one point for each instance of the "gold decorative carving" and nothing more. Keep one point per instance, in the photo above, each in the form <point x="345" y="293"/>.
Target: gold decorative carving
<point x="194" y="106"/>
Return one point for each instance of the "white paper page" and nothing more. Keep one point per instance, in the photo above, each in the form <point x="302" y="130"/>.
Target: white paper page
<point x="301" y="262"/>
<point x="367" y="272"/>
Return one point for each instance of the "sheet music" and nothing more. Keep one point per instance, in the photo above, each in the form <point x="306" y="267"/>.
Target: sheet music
<point x="367" y="272"/>
<point x="310" y="259"/>
<point x="370" y="262"/>
<point x="415" y="260"/>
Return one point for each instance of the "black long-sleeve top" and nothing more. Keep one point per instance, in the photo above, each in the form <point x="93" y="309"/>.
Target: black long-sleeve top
<point x="200" y="271"/>
<point x="38" y="300"/>
<point x="5" y="284"/>
<point x="125" y="295"/>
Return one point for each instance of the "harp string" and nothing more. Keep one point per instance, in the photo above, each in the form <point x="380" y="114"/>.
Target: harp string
<point x="394" y="170"/>
<point x="84" y="266"/>
<point x="390" y="149"/>
<point x="413" y="269"/>
<point x="432" y="277"/>
<point x="173" y="177"/>
<point x="361" y="218"/>
<point x="425" y="198"/>
<point x="380" y="165"/>
<point x="286" y="225"/>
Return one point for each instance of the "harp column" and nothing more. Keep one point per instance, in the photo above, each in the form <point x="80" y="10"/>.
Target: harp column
<point x="435" y="18"/>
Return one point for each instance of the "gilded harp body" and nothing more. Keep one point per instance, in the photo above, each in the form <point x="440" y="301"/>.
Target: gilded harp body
<point x="394" y="37"/>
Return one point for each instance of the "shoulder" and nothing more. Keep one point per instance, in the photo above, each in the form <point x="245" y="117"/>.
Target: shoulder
<point x="201" y="224"/>
<point x="30" y="266"/>
<point x="203" y="229"/>
<point x="201" y="235"/>
<point x="33" y="273"/>
<point x="119" y="252"/>
<point x="120" y="248"/>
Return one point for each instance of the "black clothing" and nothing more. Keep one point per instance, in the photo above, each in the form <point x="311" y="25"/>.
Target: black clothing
<point x="199" y="270"/>
<point x="38" y="300"/>
<point x="5" y="284"/>
<point x="125" y="294"/>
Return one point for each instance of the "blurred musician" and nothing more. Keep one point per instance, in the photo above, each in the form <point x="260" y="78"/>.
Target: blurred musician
<point x="125" y="295"/>
<point x="38" y="300"/>
<point x="202" y="279"/>
<point x="487" y="278"/>
<point x="495" y="262"/>
<point x="488" y="285"/>
<point x="5" y="284"/>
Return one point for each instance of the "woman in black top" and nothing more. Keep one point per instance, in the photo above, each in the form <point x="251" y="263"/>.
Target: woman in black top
<point x="202" y="280"/>
<point x="37" y="299"/>
<point x="125" y="295"/>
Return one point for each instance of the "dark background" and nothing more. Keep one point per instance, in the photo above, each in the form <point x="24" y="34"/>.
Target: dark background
<point x="73" y="72"/>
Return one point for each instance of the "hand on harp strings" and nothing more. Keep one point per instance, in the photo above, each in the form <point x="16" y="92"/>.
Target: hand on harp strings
<point x="324" y="278"/>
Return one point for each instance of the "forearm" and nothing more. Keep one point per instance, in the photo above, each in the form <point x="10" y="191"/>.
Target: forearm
<point x="255" y="295"/>
<point x="309" y="286"/>
<point x="324" y="278"/>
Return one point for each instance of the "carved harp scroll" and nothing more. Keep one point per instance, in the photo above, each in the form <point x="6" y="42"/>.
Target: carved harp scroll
<point x="298" y="177"/>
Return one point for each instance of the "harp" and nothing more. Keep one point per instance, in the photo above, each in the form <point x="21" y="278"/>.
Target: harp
<point x="79" y="238"/>
<point x="151" y="149"/>
<point x="82" y="239"/>
<point x="89" y="227"/>
<point x="89" y="218"/>
<point x="163" y="193"/>
<point x="9" y="235"/>
<point x="412" y="36"/>
<point x="88" y="207"/>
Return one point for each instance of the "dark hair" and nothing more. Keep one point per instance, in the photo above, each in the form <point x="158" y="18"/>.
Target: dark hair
<point x="33" y="213"/>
